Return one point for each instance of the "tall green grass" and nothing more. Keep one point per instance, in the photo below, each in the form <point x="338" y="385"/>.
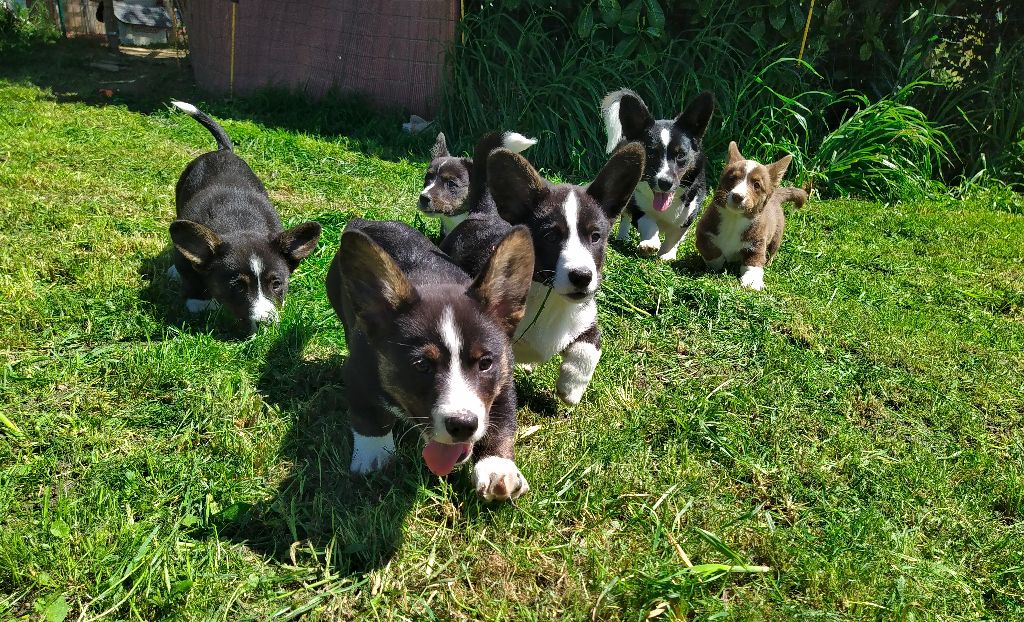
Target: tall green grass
<point x="545" y="75"/>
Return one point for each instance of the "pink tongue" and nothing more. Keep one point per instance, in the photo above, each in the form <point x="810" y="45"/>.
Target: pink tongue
<point x="661" y="201"/>
<point x="441" y="458"/>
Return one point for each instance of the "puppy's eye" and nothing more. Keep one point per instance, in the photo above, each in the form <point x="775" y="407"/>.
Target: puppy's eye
<point x="451" y="183"/>
<point x="239" y="282"/>
<point x="552" y="235"/>
<point x="421" y="365"/>
<point x="680" y="157"/>
<point x="757" y="186"/>
<point x="485" y="362"/>
<point x="595" y="237"/>
<point x="276" y="285"/>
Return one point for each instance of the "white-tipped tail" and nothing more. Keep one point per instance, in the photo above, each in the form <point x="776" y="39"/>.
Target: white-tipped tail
<point x="612" y="123"/>
<point x="514" y="141"/>
<point x="185" y="107"/>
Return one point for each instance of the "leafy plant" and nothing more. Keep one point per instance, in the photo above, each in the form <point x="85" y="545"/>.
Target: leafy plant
<point x="21" y="27"/>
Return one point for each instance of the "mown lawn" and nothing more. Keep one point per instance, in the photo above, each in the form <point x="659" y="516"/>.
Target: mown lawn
<point x="846" y="445"/>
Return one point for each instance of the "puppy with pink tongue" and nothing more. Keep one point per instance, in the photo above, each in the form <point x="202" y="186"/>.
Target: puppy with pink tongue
<point x="432" y="345"/>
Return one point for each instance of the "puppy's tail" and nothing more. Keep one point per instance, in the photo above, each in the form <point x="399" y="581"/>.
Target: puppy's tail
<point x="222" y="138"/>
<point x="513" y="141"/>
<point x="798" y="196"/>
<point x="612" y="121"/>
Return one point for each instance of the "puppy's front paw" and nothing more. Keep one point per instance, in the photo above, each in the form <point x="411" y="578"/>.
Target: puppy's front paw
<point x="371" y="453"/>
<point x="752" y="277"/>
<point x="498" y="479"/>
<point x="668" y="256"/>
<point x="648" y="248"/>
<point x="570" y="390"/>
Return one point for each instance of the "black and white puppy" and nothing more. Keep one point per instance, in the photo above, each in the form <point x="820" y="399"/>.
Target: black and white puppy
<point x="452" y="187"/>
<point x="569" y="226"/>
<point x="229" y="245"/>
<point x="671" y="194"/>
<point x="431" y="345"/>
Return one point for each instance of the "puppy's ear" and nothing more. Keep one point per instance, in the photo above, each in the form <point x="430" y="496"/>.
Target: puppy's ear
<point x="634" y="117"/>
<point x="515" y="185"/>
<point x="440" y="149"/>
<point x="734" y="153"/>
<point x="298" y="242"/>
<point x="778" y="168"/>
<point x="372" y="281"/>
<point x="196" y="242"/>
<point x="694" y="120"/>
<point x="618" y="179"/>
<point x="505" y="281"/>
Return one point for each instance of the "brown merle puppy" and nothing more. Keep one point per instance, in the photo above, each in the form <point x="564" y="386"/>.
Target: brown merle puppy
<point x="429" y="344"/>
<point x="569" y="225"/>
<point x="452" y="187"/>
<point x="745" y="220"/>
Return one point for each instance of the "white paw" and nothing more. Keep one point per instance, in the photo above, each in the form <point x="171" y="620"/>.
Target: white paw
<point x="649" y="247"/>
<point x="196" y="305"/>
<point x="752" y="277"/>
<point x="579" y="361"/>
<point x="172" y="273"/>
<point x="498" y="479"/>
<point x="669" y="256"/>
<point x="371" y="453"/>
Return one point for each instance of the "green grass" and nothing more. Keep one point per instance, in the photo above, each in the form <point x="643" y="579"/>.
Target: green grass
<point x="844" y="446"/>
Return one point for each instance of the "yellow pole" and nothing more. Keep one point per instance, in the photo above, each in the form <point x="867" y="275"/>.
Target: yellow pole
<point x="231" y="77"/>
<point x="807" y="27"/>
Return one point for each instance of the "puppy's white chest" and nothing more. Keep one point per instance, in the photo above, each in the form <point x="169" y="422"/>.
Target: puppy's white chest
<point x="729" y="239"/>
<point x="551" y="323"/>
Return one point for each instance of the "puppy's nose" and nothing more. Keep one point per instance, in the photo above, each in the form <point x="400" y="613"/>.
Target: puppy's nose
<point x="424" y="201"/>
<point x="664" y="184"/>
<point x="580" y="277"/>
<point x="460" y="426"/>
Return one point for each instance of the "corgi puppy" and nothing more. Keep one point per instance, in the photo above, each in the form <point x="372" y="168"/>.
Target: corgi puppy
<point x="452" y="187"/>
<point x="229" y="246"/>
<point x="569" y="226"/>
<point x="430" y="344"/>
<point x="670" y="195"/>
<point x="744" y="222"/>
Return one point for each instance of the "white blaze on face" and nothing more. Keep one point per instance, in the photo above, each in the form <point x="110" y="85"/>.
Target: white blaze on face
<point x="574" y="255"/>
<point x="262" y="309"/>
<point x="741" y="189"/>
<point x="426" y="190"/>
<point x="666" y="136"/>
<point x="457" y="396"/>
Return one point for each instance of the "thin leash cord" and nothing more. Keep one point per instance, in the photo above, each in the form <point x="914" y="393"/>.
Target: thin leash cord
<point x="535" y="318"/>
<point x="807" y="28"/>
<point x="231" y="76"/>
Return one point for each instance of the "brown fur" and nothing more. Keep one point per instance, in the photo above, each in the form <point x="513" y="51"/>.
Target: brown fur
<point x="745" y="221"/>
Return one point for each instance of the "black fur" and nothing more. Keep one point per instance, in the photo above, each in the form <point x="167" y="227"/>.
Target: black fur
<point x="226" y="223"/>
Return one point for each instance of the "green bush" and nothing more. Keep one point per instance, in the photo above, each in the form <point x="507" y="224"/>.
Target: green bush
<point x="21" y="27"/>
<point x="867" y="112"/>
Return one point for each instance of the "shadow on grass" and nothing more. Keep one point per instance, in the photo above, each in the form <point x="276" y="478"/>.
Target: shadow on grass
<point x="321" y="513"/>
<point x="83" y="70"/>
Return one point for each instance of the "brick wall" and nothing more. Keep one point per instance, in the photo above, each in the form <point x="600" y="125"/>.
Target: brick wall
<point x="392" y="51"/>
